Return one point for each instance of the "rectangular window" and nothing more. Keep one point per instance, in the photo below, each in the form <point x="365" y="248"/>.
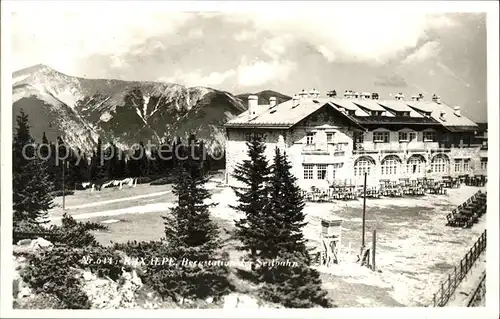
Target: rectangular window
<point x="340" y="147"/>
<point x="336" y="166"/>
<point x="309" y="138"/>
<point x="484" y="164"/>
<point x="248" y="136"/>
<point x="458" y="165"/>
<point x="403" y="136"/>
<point x="381" y="137"/>
<point x="308" y="172"/>
<point x="329" y="137"/>
<point x="321" y="171"/>
<point x="412" y="136"/>
<point x="429" y="136"/>
<point x="466" y="166"/>
<point x="359" y="137"/>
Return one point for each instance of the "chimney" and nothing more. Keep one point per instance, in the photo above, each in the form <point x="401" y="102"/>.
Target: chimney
<point x="332" y="93"/>
<point x="295" y="100"/>
<point x="272" y="101"/>
<point x="253" y="104"/>
<point x="436" y="99"/>
<point x="313" y="94"/>
<point x="303" y="94"/>
<point x="457" y="111"/>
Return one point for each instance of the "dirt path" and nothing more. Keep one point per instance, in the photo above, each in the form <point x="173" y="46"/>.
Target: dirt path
<point x="118" y="200"/>
<point x="142" y="209"/>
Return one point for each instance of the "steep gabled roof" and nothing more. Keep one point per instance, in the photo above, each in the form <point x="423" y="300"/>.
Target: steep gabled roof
<point x="285" y="115"/>
<point x="449" y="119"/>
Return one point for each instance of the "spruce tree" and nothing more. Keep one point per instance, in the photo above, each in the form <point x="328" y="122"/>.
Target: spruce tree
<point x="190" y="235"/>
<point x="31" y="182"/>
<point x="253" y="198"/>
<point x="296" y="285"/>
<point x="99" y="172"/>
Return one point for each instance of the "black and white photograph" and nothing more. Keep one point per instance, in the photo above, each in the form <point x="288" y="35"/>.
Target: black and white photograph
<point x="249" y="158"/>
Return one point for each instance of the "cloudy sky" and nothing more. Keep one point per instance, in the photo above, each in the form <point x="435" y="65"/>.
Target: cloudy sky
<point x="367" y="50"/>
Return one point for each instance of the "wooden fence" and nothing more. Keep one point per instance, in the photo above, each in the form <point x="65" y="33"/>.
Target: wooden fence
<point x="448" y="287"/>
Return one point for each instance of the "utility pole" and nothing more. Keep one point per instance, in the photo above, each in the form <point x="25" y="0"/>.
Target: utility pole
<point x="374" y="244"/>
<point x="364" y="216"/>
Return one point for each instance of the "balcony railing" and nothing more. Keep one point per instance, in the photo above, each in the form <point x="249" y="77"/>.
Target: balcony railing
<point x="330" y="149"/>
<point x="315" y="149"/>
<point x="397" y="146"/>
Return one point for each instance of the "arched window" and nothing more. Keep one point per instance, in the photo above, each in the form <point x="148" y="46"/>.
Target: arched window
<point x="362" y="165"/>
<point x="440" y="164"/>
<point x="390" y="165"/>
<point x="416" y="164"/>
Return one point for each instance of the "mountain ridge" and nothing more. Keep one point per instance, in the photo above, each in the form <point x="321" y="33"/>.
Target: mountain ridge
<point x="80" y="110"/>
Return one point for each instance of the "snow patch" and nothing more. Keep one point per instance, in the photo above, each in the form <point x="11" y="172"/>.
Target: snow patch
<point x="110" y="221"/>
<point x="145" y="106"/>
<point x="19" y="78"/>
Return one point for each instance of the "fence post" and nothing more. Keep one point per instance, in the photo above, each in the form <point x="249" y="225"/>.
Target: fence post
<point x="466" y="263"/>
<point x="455" y="278"/>
<point x="442" y="293"/>
<point x="434" y="300"/>
<point x="449" y="288"/>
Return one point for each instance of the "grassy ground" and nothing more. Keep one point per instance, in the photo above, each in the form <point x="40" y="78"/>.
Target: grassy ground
<point x="415" y="250"/>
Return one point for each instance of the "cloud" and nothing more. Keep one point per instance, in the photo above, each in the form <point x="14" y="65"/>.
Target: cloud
<point x="329" y="55"/>
<point x="196" y="78"/>
<point x="245" y="35"/>
<point x="394" y="80"/>
<point x="260" y="72"/>
<point x="40" y="38"/>
<point x="364" y="35"/>
<point x="275" y="47"/>
<point x="426" y="51"/>
<point x="195" y="33"/>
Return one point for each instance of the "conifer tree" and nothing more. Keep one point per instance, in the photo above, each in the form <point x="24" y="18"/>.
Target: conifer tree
<point x="84" y="168"/>
<point x="253" y="198"/>
<point x="98" y="165"/>
<point x="295" y="285"/>
<point x="31" y="182"/>
<point x="190" y="235"/>
<point x="143" y="160"/>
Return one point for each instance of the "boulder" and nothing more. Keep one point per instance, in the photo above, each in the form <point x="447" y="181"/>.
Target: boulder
<point x="40" y="244"/>
<point x="24" y="242"/>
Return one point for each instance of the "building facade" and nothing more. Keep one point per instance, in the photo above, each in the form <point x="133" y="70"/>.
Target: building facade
<point x="337" y="139"/>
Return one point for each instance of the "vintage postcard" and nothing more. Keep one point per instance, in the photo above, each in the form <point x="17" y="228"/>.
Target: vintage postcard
<point x="249" y="159"/>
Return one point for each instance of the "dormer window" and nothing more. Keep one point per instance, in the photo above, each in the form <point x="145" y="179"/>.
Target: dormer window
<point x="381" y="137"/>
<point x="403" y="137"/>
<point x="329" y="137"/>
<point x="310" y="138"/>
<point x="429" y="136"/>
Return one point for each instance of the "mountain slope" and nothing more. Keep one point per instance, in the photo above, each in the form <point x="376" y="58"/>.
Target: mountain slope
<point x="126" y="112"/>
<point x="264" y="96"/>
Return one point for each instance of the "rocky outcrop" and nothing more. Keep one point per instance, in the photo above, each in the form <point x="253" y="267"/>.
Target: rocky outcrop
<point x="127" y="292"/>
